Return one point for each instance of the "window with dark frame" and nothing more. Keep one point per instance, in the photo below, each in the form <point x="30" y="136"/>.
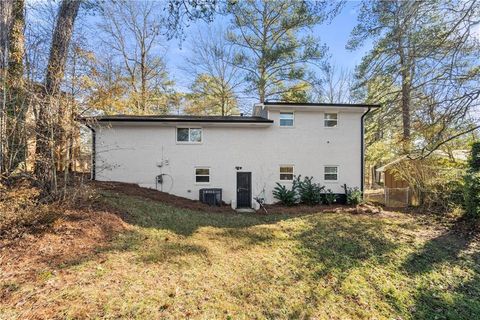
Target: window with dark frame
<point x="286" y="119"/>
<point x="331" y="173"/>
<point x="331" y="120"/>
<point x="286" y="173"/>
<point x="189" y="135"/>
<point x="202" y="175"/>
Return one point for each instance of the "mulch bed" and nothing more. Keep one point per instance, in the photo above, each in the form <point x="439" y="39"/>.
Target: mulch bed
<point x="132" y="189"/>
<point x="180" y="202"/>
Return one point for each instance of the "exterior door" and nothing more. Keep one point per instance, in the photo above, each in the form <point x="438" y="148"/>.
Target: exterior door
<point x="244" y="189"/>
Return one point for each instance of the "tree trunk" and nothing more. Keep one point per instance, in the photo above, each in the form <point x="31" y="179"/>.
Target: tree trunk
<point x="405" y="63"/>
<point x="406" y="93"/>
<point x="15" y="106"/>
<point x="5" y="22"/>
<point x="45" y="125"/>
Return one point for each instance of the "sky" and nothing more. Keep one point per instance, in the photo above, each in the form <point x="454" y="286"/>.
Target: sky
<point x="335" y="35"/>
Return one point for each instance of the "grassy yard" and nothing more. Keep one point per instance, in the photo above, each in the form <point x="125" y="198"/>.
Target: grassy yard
<point x="173" y="263"/>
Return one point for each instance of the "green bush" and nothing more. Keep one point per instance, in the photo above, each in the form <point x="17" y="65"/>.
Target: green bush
<point x="354" y="196"/>
<point x="286" y="196"/>
<point x="308" y="192"/>
<point x="472" y="183"/>
<point x="329" y="197"/>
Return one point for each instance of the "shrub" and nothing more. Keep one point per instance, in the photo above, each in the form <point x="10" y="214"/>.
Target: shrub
<point x="354" y="196"/>
<point x="472" y="183"/>
<point x="308" y="192"/>
<point x="329" y="197"/>
<point x="286" y="196"/>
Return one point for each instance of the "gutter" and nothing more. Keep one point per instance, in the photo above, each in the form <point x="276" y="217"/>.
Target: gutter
<point x="94" y="152"/>
<point x="362" y="146"/>
<point x="181" y="120"/>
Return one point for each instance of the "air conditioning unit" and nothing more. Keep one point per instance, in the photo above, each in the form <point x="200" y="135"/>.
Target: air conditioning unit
<point x="211" y="196"/>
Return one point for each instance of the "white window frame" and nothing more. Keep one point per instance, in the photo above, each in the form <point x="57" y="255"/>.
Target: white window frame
<point x="325" y="120"/>
<point x="188" y="142"/>
<point x="202" y="175"/>
<point x="280" y="172"/>
<point x="325" y="173"/>
<point x="280" y="120"/>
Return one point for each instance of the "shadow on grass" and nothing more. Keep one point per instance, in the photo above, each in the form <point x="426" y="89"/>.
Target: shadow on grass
<point x="184" y="222"/>
<point x="459" y="301"/>
<point x="152" y="248"/>
<point x="444" y="248"/>
<point x="340" y="243"/>
<point x="449" y="251"/>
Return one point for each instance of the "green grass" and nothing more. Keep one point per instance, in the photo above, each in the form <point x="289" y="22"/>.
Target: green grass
<point x="177" y="264"/>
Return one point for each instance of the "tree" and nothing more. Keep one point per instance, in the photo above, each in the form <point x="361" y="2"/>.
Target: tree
<point x="133" y="32"/>
<point x="216" y="80"/>
<point x="45" y="124"/>
<point x="210" y="97"/>
<point x="334" y="85"/>
<point x="422" y="64"/>
<point x="14" y="104"/>
<point x="182" y="12"/>
<point x="273" y="48"/>
<point x="299" y="92"/>
<point x="472" y="183"/>
<point x="105" y="85"/>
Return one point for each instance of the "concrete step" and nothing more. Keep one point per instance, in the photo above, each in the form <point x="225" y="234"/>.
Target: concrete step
<point x="245" y="210"/>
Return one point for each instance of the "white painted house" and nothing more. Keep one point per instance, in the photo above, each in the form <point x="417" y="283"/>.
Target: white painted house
<point x="244" y="156"/>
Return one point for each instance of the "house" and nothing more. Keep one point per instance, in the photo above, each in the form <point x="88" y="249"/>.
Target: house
<point x="244" y="156"/>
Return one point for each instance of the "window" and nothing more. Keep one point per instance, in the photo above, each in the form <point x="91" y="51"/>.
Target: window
<point x="286" y="173"/>
<point x="202" y="175"/>
<point x="189" y="135"/>
<point x="330" y="173"/>
<point x="286" y="119"/>
<point x="331" y="120"/>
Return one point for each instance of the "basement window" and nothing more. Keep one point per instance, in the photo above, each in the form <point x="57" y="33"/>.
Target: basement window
<point x="330" y="120"/>
<point x="202" y="175"/>
<point x="330" y="173"/>
<point x="189" y="135"/>
<point x="286" y="119"/>
<point x="286" y="173"/>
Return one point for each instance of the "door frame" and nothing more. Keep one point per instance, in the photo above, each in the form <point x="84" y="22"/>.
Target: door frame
<point x="249" y="189"/>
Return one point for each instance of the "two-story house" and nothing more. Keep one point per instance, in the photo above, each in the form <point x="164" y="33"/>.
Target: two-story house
<point x="245" y="156"/>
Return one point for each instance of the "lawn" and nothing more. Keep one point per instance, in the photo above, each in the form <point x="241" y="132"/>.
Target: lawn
<point x="165" y="262"/>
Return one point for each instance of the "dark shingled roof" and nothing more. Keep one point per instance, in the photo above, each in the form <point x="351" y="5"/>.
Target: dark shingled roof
<point x="176" y="118"/>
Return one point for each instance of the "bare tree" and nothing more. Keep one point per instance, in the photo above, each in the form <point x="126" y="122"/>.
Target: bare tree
<point x="132" y="30"/>
<point x="215" y="79"/>
<point x="334" y="85"/>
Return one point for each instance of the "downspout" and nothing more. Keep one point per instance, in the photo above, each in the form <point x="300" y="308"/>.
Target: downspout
<point x="94" y="151"/>
<point x="362" y="146"/>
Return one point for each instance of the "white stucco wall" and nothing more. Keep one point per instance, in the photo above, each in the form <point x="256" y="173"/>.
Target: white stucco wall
<point x="129" y="152"/>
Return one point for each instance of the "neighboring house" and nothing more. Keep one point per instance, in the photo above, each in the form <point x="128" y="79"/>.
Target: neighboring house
<point x="245" y="156"/>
